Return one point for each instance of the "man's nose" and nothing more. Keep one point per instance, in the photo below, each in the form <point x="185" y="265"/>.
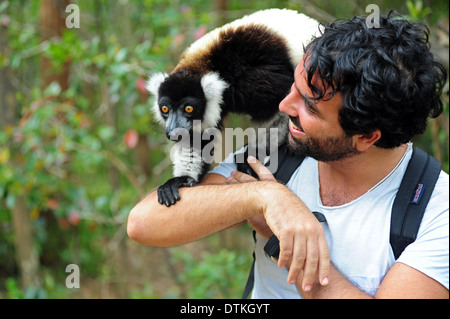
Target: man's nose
<point x="287" y="106"/>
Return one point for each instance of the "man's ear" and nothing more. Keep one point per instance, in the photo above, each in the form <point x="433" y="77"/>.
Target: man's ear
<point x="364" y="141"/>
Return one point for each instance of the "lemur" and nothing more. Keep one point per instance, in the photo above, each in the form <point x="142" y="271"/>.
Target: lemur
<point x="246" y="67"/>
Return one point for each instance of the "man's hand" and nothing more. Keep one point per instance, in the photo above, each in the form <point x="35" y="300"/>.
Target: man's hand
<point x="303" y="247"/>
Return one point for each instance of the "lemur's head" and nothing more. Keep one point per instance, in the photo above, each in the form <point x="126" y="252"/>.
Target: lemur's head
<point x="183" y="96"/>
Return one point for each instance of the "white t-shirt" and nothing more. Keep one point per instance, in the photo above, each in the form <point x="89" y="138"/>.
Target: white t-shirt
<point x="357" y="233"/>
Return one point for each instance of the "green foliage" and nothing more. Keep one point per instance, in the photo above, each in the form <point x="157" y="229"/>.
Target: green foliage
<point x="417" y="10"/>
<point x="63" y="152"/>
<point x="218" y="274"/>
<point x="13" y="291"/>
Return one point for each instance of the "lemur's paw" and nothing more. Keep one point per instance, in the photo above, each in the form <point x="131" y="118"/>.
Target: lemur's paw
<point x="168" y="193"/>
<point x="244" y="167"/>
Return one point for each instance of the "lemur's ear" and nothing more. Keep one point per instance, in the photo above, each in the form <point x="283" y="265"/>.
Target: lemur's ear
<point x="154" y="82"/>
<point x="152" y="85"/>
<point x="213" y="88"/>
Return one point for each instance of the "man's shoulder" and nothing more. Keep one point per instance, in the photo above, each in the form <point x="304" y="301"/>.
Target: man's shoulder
<point x="441" y="190"/>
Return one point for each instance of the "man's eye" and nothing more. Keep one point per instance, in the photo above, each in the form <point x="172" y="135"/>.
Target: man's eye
<point x="164" y="109"/>
<point x="189" y="109"/>
<point x="310" y="109"/>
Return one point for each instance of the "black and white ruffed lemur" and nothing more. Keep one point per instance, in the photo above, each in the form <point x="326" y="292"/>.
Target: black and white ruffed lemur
<point x="246" y="67"/>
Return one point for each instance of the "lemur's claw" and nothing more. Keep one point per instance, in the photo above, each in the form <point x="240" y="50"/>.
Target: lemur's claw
<point x="244" y="167"/>
<point x="168" y="193"/>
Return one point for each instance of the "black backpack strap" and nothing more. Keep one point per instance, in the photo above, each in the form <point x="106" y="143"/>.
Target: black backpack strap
<point x="412" y="198"/>
<point x="251" y="276"/>
<point x="287" y="164"/>
<point x="272" y="248"/>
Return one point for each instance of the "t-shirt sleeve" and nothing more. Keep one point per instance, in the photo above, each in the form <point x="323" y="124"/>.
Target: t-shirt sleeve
<point x="429" y="253"/>
<point x="227" y="166"/>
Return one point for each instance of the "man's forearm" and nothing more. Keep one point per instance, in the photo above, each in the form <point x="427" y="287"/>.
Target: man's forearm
<point x="202" y="210"/>
<point x="338" y="288"/>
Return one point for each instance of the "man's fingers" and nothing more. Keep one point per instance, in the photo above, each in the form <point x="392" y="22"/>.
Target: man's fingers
<point x="240" y="177"/>
<point x="306" y="255"/>
<point x="310" y="269"/>
<point x="262" y="171"/>
<point x="286" y="249"/>
<point x="324" y="261"/>
<point x="298" y="260"/>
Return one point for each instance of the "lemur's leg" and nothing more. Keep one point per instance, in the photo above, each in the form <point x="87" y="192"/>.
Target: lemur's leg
<point x="276" y="130"/>
<point x="168" y="193"/>
<point x="270" y="135"/>
<point x="189" y="169"/>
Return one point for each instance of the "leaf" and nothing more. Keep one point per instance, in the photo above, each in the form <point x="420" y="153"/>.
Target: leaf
<point x="54" y="89"/>
<point x="201" y="31"/>
<point x="131" y="138"/>
<point x="106" y="132"/>
<point x="52" y="203"/>
<point x="35" y="212"/>
<point x="4" y="155"/>
<point x="121" y="55"/>
<point x="74" y="218"/>
<point x="140" y="85"/>
<point x="4" y="6"/>
<point x="10" y="201"/>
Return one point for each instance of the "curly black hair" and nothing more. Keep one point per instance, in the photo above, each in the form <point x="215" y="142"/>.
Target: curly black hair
<point x="387" y="76"/>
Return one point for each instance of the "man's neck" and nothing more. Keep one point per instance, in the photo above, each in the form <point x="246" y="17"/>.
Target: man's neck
<point x="345" y="180"/>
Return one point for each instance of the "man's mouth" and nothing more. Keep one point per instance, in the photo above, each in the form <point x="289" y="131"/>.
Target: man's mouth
<point x="294" y="129"/>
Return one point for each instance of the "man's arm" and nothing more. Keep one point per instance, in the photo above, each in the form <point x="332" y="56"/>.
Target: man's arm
<point x="401" y="282"/>
<point x="202" y="211"/>
<point x="206" y="209"/>
<point x="303" y="247"/>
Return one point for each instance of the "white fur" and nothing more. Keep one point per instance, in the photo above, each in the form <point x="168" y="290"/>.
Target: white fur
<point x="186" y="161"/>
<point x="279" y="121"/>
<point x="296" y="28"/>
<point x="213" y="88"/>
<point x="154" y="82"/>
<point x="152" y="85"/>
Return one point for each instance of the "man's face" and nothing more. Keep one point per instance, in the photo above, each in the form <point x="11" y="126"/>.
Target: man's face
<point x="314" y="128"/>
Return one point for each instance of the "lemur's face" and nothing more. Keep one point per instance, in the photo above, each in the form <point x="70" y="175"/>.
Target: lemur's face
<point x="180" y="114"/>
<point x="181" y="101"/>
<point x="183" y="97"/>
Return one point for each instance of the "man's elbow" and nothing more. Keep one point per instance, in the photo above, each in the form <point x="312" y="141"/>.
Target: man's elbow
<point x="135" y="228"/>
<point x="144" y="230"/>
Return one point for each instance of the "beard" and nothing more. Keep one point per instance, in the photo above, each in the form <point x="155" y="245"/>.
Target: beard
<point x="324" y="149"/>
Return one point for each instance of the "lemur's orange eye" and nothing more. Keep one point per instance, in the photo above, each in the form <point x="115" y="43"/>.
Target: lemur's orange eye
<point x="189" y="109"/>
<point x="164" y="109"/>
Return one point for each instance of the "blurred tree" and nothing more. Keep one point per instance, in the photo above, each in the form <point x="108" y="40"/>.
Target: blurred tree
<point x="53" y="23"/>
<point x="8" y="103"/>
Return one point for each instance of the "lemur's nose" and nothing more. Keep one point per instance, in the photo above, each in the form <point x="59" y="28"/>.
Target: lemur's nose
<point x="177" y="134"/>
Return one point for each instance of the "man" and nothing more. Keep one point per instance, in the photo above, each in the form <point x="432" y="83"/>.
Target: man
<point x="360" y="94"/>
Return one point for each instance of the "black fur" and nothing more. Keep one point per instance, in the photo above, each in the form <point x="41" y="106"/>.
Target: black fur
<point x="168" y="193"/>
<point x="255" y="62"/>
<point x="181" y="84"/>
